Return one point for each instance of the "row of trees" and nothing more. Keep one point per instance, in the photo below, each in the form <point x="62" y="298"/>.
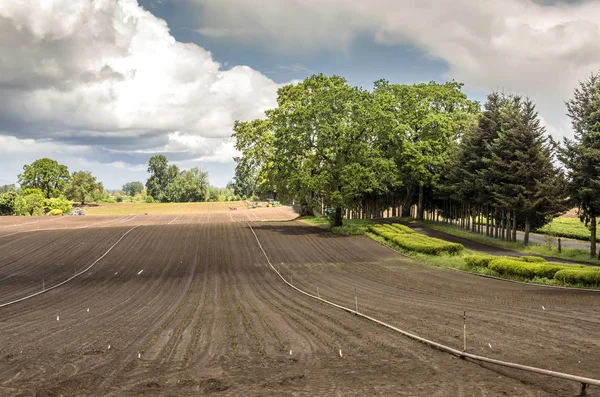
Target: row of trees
<point x="327" y="141"/>
<point x="493" y="169"/>
<point x="502" y="173"/>
<point x="46" y="185"/>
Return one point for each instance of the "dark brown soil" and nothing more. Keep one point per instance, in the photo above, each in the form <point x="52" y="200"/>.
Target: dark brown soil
<point x="210" y="318"/>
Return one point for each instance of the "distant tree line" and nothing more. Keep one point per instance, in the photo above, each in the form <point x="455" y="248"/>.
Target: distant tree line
<point x="424" y="150"/>
<point x="45" y="186"/>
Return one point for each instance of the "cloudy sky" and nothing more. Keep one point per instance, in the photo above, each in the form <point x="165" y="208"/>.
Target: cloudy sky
<point x="102" y="85"/>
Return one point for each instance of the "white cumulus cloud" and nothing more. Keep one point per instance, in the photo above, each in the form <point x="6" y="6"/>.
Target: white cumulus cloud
<point x="540" y="50"/>
<point x="107" y="74"/>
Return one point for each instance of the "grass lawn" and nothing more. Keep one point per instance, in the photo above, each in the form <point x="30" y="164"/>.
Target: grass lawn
<point x="570" y="254"/>
<point x="566" y="227"/>
<point x="350" y="227"/>
<point x="159" y="208"/>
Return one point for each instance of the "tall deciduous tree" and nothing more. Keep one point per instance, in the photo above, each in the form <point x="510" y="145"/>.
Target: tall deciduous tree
<point x="161" y="175"/>
<point x="245" y="180"/>
<point x="82" y="184"/>
<point x="133" y="188"/>
<point x="189" y="186"/>
<point x="581" y="155"/>
<point x="318" y="142"/>
<point x="45" y="174"/>
<point x="416" y="125"/>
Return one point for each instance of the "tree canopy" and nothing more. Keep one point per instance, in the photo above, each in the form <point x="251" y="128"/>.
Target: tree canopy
<point x="161" y="175"/>
<point x="581" y="155"/>
<point x="45" y="174"/>
<point x="188" y="186"/>
<point x="81" y="186"/>
<point x="330" y="141"/>
<point x="133" y="188"/>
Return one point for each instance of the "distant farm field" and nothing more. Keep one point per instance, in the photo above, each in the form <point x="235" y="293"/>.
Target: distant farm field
<point x="160" y="208"/>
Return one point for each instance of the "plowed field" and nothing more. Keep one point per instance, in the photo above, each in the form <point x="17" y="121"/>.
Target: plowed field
<point x="190" y="307"/>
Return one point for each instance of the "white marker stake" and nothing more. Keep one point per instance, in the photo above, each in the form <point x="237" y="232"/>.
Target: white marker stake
<point x="490" y="345"/>
<point x="108" y="347"/>
<point x="139" y="355"/>
<point x="140" y="272"/>
<point x="57" y="318"/>
<point x="290" y="352"/>
<point x="88" y="310"/>
<point x="341" y="355"/>
<point x="543" y="308"/>
<point x="465" y="332"/>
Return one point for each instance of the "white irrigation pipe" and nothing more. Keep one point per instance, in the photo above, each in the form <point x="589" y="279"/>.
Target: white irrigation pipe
<point x="72" y="277"/>
<point x="584" y="381"/>
<point x="129" y="217"/>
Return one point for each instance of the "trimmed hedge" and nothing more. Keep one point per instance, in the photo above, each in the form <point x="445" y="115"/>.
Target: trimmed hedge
<point x="479" y="260"/>
<point x="588" y="276"/>
<point x="402" y="228"/>
<point x="517" y="267"/>
<point x="416" y="242"/>
<point x="534" y="259"/>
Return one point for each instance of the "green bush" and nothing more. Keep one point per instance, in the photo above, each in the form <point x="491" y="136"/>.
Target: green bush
<point x="533" y="259"/>
<point x="60" y="203"/>
<point x="402" y="228"/>
<point x="516" y="267"/>
<point x="55" y="212"/>
<point x="416" y="242"/>
<point x="149" y="199"/>
<point x="588" y="276"/>
<point x="479" y="260"/>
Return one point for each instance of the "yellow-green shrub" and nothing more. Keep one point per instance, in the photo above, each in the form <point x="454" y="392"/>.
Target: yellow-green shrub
<point x="416" y="242"/>
<point x="516" y="267"/>
<point x="587" y="276"/>
<point x="55" y="212"/>
<point x="402" y="228"/>
<point x="534" y="259"/>
<point x="479" y="260"/>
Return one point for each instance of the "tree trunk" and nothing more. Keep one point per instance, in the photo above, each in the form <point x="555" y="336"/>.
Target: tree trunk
<point x="338" y="217"/>
<point x="420" y="208"/>
<point x="473" y="219"/>
<point x="503" y="225"/>
<point x="526" y="237"/>
<point x="496" y="223"/>
<point x="593" y="237"/>
<point x="487" y="221"/>
<point x="514" y="228"/>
